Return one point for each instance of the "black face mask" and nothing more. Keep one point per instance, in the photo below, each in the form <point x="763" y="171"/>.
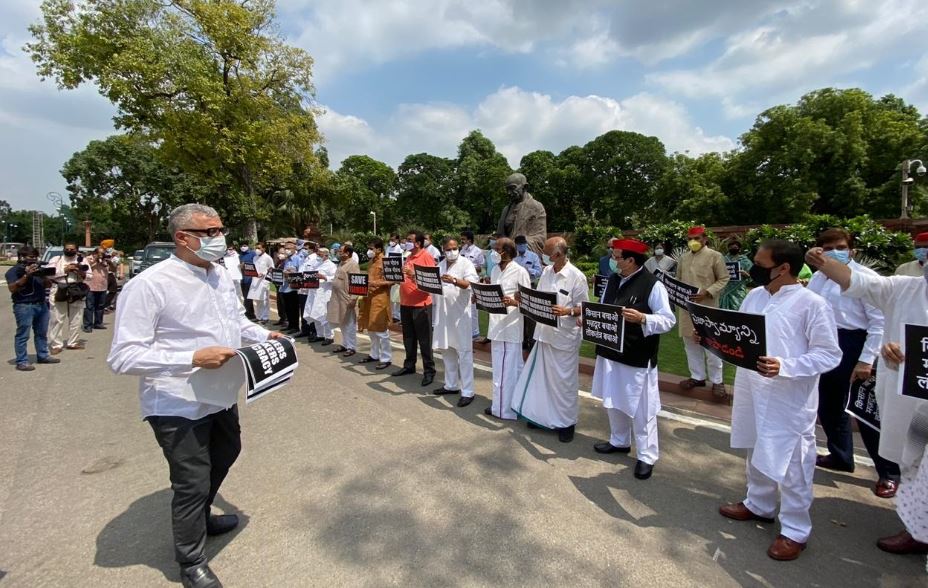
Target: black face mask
<point x="761" y="275"/>
<point x="734" y="251"/>
<point x="69" y="253"/>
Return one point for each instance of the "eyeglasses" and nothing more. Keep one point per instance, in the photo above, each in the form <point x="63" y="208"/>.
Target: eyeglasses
<point x="210" y="232"/>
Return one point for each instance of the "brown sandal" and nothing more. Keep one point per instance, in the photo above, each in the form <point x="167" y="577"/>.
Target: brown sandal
<point x="349" y="353"/>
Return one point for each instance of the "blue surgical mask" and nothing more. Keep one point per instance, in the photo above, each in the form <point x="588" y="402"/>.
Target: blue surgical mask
<point x="521" y="249"/>
<point x="495" y="257"/>
<point x="613" y="265"/>
<point x="546" y="258"/>
<point x="492" y="243"/>
<point x="211" y="248"/>
<point x="842" y="255"/>
<point x="921" y="253"/>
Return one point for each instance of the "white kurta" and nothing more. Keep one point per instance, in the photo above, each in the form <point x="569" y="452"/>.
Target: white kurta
<point x="773" y="416"/>
<point x="508" y="327"/>
<point x="260" y="288"/>
<point x="231" y="263"/>
<point x="309" y="264"/>
<point x="320" y="306"/>
<point x="451" y="311"/>
<point x="622" y="387"/>
<point x="546" y="392"/>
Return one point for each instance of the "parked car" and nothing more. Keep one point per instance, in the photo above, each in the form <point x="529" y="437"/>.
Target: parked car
<point x="155" y="252"/>
<point x="53" y="251"/>
<point x="136" y="262"/>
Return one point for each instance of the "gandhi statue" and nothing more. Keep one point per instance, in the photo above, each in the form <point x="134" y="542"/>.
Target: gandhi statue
<point x="523" y="215"/>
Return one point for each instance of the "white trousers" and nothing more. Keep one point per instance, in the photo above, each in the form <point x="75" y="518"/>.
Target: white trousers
<point x="474" y="321"/>
<point x="459" y="370"/>
<point x="349" y="329"/>
<point x="507" y="365"/>
<point x="65" y="324"/>
<point x="238" y="289"/>
<point x="622" y="426"/>
<point x="261" y="308"/>
<point x="380" y="346"/>
<point x="323" y="329"/>
<point x="795" y="494"/>
<point x="697" y="357"/>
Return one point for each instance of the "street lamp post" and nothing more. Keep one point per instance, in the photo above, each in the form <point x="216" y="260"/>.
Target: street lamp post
<point x="56" y="199"/>
<point x="908" y="180"/>
<point x="374" y="214"/>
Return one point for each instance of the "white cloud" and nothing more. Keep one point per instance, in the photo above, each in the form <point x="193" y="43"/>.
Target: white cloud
<point x="518" y="122"/>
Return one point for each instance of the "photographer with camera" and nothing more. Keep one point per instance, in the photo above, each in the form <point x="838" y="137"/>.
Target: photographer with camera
<point x="27" y="282"/>
<point x="67" y="296"/>
<point x="101" y="264"/>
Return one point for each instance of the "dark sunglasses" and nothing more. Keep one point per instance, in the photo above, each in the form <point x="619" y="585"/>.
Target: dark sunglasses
<point x="211" y="232"/>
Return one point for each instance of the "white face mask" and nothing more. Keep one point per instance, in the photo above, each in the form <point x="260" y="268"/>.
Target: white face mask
<point x="426" y="243"/>
<point x="281" y="256"/>
<point x="495" y="257"/>
<point x="370" y="254"/>
<point x="451" y="255"/>
<point x="658" y="251"/>
<point x="244" y="248"/>
<point x="211" y="248"/>
<point x="259" y="252"/>
<point x="392" y="243"/>
<point x="408" y="246"/>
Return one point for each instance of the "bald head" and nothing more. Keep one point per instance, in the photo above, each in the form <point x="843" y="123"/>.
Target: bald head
<point x="506" y="248"/>
<point x="556" y="245"/>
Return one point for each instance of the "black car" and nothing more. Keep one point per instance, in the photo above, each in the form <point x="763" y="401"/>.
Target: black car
<point x="155" y="252"/>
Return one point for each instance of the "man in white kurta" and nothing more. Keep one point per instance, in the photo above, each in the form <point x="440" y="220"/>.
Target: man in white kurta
<point x="309" y="263"/>
<point x="627" y="381"/>
<point x="259" y="292"/>
<point x="775" y="407"/>
<point x="904" y="300"/>
<point x="505" y="330"/>
<point x="451" y="331"/>
<point x="546" y="392"/>
<point x="318" y="312"/>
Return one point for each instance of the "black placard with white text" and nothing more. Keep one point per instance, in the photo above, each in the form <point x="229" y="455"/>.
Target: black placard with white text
<point x="861" y="402"/>
<point x="310" y="280"/>
<point x="249" y="271"/>
<point x="428" y="279"/>
<point x="538" y="305"/>
<point x="603" y="324"/>
<point x="740" y="338"/>
<point x="734" y="271"/>
<point x="489" y="297"/>
<point x="679" y="292"/>
<point x="357" y="284"/>
<point x="393" y="268"/>
<point x="914" y="380"/>
<point x="599" y="285"/>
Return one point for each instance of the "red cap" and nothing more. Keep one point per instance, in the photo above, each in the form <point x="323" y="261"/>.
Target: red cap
<point x="633" y="245"/>
<point x="696" y="232"/>
<point x="921" y="237"/>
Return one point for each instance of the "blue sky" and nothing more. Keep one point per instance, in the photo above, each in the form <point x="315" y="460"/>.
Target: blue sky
<point x="401" y="77"/>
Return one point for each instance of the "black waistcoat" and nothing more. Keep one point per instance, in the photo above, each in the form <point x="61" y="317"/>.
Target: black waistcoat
<point x="640" y="351"/>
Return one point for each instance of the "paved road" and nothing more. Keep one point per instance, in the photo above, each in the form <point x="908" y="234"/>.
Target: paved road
<point x="351" y="478"/>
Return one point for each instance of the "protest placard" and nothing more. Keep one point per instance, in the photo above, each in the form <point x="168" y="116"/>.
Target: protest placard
<point x="275" y="276"/>
<point x="599" y="285"/>
<point x="914" y="380"/>
<point x="734" y="270"/>
<point x="861" y="402"/>
<point x="310" y="280"/>
<point x="294" y="280"/>
<point x="393" y="268"/>
<point x="357" y="284"/>
<point x="268" y="366"/>
<point x="538" y="305"/>
<point x="489" y="297"/>
<point x="679" y="292"/>
<point x="740" y="338"/>
<point x="603" y="324"/>
<point x="428" y="279"/>
<point x="249" y="271"/>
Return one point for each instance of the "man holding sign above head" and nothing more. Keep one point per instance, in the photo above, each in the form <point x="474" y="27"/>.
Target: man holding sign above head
<point x="505" y="330"/>
<point x="774" y="410"/>
<point x="178" y="317"/>
<point x="452" y="330"/>
<point x="903" y="417"/>
<point x="375" y="314"/>
<point x="705" y="269"/>
<point x="416" y="311"/>
<point x="546" y="392"/>
<point x="626" y="380"/>
<point x="860" y="330"/>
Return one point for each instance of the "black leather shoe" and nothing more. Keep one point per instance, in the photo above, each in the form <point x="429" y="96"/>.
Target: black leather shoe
<point x="488" y="411"/>
<point x="199" y="577"/>
<point x="368" y="359"/>
<point x="442" y="391"/>
<point x="219" y="524"/>
<point x="383" y="366"/>
<point x="566" y="434"/>
<point x="314" y="339"/>
<point x="339" y="349"/>
<point x="464" y="401"/>
<point x="48" y="360"/>
<point x="99" y="327"/>
<point x="427" y="379"/>
<point x="403" y="372"/>
<point x="606" y="447"/>
<point x="327" y="342"/>
<point x="643" y="470"/>
<point x="532" y="425"/>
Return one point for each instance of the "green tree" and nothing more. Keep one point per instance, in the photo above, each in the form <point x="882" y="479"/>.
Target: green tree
<point x="211" y="81"/>
<point x="364" y="185"/>
<point x="425" y="194"/>
<point x="692" y="188"/>
<point x="480" y="181"/>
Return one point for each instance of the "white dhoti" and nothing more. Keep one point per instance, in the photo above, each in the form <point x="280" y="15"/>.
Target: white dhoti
<point x="459" y="370"/>
<point x="632" y="401"/>
<point x="380" y="346"/>
<point x="697" y="357"/>
<point x="259" y="293"/>
<point x="507" y="364"/>
<point x="546" y="392"/>
<point x="474" y="321"/>
<point x="795" y="493"/>
<point x="349" y="329"/>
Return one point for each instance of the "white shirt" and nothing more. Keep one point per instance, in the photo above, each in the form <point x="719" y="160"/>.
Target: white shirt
<point x="434" y="252"/>
<point x="851" y="313"/>
<point x="394" y="249"/>
<point x="474" y="254"/>
<point x="903" y="300"/>
<point x="231" y="262"/>
<point x="164" y="315"/>
<point x="508" y="327"/>
<point x="263" y="263"/>
<point x="452" y="311"/>
<point x="665" y="264"/>
<point x="572" y="290"/>
<point x="309" y="264"/>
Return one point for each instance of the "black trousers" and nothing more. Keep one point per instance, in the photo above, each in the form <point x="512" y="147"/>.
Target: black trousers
<point x="249" y="304"/>
<point x="528" y="333"/>
<point x="833" y="389"/>
<point x="292" y="308"/>
<point x="417" y="331"/>
<point x="199" y="454"/>
<point x="281" y="307"/>
<point x="306" y="329"/>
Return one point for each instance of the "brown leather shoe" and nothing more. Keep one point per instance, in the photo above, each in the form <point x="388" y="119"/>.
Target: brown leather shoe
<point x="75" y="346"/>
<point x="739" y="512"/>
<point x="690" y="383"/>
<point x="55" y="350"/>
<point x="719" y="391"/>
<point x="885" y="488"/>
<point x="902" y="544"/>
<point x="785" y="549"/>
<point x="830" y="462"/>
